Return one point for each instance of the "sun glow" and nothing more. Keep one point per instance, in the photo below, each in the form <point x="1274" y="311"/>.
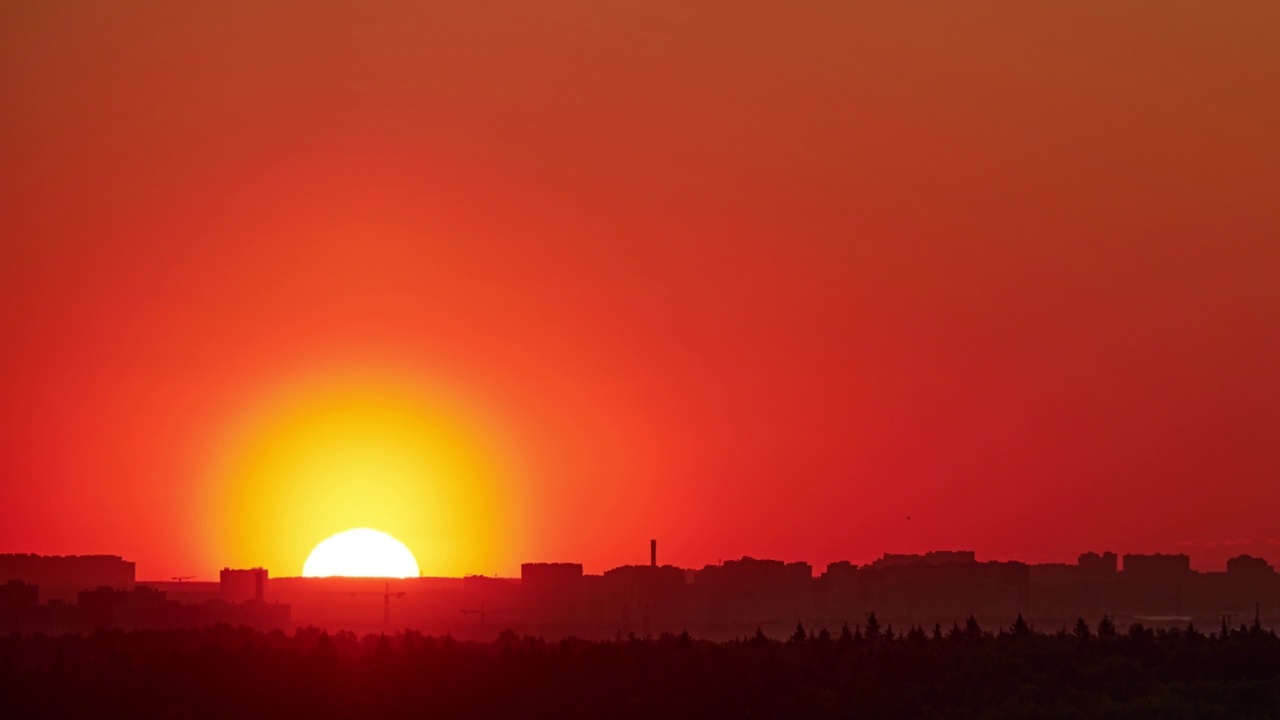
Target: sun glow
<point x="361" y="552"/>
<point x="324" y="456"/>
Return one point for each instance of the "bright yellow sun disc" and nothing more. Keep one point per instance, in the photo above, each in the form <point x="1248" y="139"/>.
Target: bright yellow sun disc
<point x="361" y="552"/>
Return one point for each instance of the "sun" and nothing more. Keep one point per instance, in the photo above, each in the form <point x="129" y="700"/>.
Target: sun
<point x="361" y="552"/>
<point x="340" y="449"/>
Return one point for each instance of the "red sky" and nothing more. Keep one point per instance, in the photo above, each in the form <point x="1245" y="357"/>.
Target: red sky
<point x="752" y="278"/>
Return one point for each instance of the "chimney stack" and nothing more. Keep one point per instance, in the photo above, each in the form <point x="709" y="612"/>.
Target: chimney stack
<point x="653" y="553"/>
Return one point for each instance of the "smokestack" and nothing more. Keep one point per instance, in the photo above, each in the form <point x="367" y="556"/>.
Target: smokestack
<point x="653" y="553"/>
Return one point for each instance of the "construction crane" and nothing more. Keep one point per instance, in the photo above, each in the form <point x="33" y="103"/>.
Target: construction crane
<point x="386" y="600"/>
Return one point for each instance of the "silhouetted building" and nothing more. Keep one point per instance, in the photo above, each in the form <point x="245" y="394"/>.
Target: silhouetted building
<point x="751" y="590"/>
<point x="141" y="607"/>
<point x="19" y="606"/>
<point x="1249" y="584"/>
<point x="1097" y="566"/>
<point x="552" y="592"/>
<point x="944" y="588"/>
<point x="486" y="586"/>
<point x="1061" y="592"/>
<point x="147" y="608"/>
<point x="725" y="600"/>
<point x="1155" y="584"/>
<point x="1157" y="567"/>
<point x="933" y="557"/>
<point x="641" y="597"/>
<point x="17" y="595"/>
<point x="251" y="613"/>
<point x="241" y="585"/>
<point x="61" y="577"/>
<point x="1247" y="566"/>
<point x="836" y="592"/>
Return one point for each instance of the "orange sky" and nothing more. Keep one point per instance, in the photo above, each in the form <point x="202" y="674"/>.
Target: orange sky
<point x="752" y="278"/>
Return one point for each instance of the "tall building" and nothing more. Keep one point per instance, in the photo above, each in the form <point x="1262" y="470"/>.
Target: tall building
<point x="1156" y="568"/>
<point x="552" y="592"/>
<point x="17" y="596"/>
<point x="62" y="577"/>
<point x="1156" y="584"/>
<point x="1098" y="566"/>
<point x="242" y="585"/>
<point x="749" y="590"/>
<point x="1247" y="566"/>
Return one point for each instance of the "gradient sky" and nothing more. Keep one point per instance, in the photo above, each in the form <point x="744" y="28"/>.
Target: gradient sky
<point x="751" y="278"/>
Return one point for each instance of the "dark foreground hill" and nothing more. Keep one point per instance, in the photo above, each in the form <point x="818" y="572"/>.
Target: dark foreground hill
<point x="961" y="672"/>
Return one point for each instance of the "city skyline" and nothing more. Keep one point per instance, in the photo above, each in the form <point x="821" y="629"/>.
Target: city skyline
<point x="639" y="359"/>
<point x="651" y="559"/>
<point x="756" y="279"/>
<point x="62" y="594"/>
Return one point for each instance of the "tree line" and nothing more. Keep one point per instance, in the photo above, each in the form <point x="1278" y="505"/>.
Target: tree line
<point x="861" y="670"/>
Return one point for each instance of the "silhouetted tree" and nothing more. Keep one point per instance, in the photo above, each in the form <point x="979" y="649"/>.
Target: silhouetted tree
<point x="1020" y="627"/>
<point x="240" y="673"/>
<point x="846" y="637"/>
<point x="1081" y="631"/>
<point x="1106" y="628"/>
<point x="1138" y="634"/>
<point x="916" y="636"/>
<point x="972" y="631"/>
<point x="759" y="638"/>
<point x="873" y="627"/>
<point x="798" y="637"/>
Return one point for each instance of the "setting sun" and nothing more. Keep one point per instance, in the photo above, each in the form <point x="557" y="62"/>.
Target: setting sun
<point x="328" y="454"/>
<point x="361" y="552"/>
